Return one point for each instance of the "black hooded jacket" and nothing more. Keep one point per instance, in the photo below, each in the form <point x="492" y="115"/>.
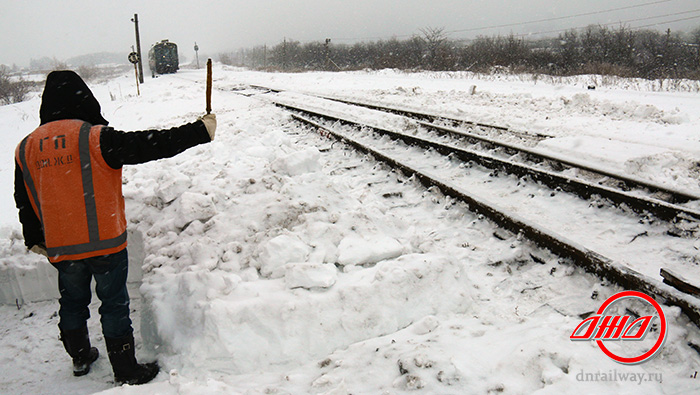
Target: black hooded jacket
<point x="66" y="96"/>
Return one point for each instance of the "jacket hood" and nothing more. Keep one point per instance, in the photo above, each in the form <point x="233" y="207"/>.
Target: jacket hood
<point x="66" y="96"/>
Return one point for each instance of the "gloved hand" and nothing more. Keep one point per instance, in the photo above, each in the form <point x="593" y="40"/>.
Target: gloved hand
<point x="39" y="249"/>
<point x="210" y="123"/>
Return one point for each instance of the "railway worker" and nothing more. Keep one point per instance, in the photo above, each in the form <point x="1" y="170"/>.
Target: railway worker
<point x="68" y="178"/>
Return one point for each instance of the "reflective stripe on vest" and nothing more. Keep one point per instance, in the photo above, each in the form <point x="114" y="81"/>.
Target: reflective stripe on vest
<point x="87" y="241"/>
<point x="88" y="187"/>
<point x="28" y="181"/>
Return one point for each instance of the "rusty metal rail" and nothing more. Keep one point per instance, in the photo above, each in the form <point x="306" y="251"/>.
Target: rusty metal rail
<point x="674" y="196"/>
<point x="424" y="116"/>
<point x="659" y="208"/>
<point x="587" y="259"/>
<point x="663" y="194"/>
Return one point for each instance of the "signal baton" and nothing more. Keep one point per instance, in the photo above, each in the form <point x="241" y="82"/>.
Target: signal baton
<point x="209" y="86"/>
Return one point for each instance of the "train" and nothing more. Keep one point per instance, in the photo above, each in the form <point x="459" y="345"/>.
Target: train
<point x="162" y="58"/>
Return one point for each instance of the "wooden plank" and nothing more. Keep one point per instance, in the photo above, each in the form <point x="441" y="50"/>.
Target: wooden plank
<point x="679" y="283"/>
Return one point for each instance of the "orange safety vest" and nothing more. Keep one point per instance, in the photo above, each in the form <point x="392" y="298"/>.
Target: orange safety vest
<point x="73" y="191"/>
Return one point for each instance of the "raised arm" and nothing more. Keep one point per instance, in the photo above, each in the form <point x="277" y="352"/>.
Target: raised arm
<point x="130" y="148"/>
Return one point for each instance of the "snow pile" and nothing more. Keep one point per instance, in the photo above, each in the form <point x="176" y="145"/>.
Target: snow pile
<point x="26" y="277"/>
<point x="584" y="103"/>
<point x="310" y="275"/>
<point x="241" y="327"/>
<point x="254" y="267"/>
<point x="666" y="166"/>
<point x="280" y="251"/>
<point x="297" y="163"/>
<point x="359" y="251"/>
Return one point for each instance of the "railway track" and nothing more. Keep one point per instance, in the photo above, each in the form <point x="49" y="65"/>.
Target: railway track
<point x="642" y="196"/>
<point x="433" y="120"/>
<point x="590" y="260"/>
<point x="662" y="209"/>
<point x="636" y="193"/>
<point x="627" y="182"/>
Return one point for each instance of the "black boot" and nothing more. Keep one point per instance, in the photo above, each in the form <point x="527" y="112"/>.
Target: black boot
<point x="126" y="369"/>
<point x="77" y="344"/>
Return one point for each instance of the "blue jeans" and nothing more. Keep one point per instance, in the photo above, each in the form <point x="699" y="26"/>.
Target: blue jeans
<point x="110" y="272"/>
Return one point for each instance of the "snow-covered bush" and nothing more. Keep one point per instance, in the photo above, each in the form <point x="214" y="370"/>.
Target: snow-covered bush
<point x="12" y="90"/>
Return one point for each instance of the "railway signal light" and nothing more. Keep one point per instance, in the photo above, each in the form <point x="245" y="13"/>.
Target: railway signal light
<point x="196" y="53"/>
<point x="134" y="58"/>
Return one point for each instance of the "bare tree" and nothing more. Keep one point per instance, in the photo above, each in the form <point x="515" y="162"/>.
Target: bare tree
<point x="437" y="54"/>
<point x="12" y="91"/>
<point x="595" y="50"/>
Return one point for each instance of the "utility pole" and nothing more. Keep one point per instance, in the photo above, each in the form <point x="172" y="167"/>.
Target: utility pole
<point x="329" y="61"/>
<point x="135" y="19"/>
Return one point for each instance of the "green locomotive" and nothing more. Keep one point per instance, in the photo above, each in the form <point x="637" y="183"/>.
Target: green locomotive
<point x="162" y="58"/>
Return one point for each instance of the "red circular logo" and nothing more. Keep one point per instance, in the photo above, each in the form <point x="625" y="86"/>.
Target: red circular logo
<point x="663" y="330"/>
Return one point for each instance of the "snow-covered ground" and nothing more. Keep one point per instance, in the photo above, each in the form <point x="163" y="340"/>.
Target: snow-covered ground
<point x="277" y="261"/>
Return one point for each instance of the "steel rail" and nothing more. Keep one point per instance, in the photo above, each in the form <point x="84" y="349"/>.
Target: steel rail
<point x="659" y="208"/>
<point x="589" y="260"/>
<point x="676" y="196"/>
<point x="432" y="117"/>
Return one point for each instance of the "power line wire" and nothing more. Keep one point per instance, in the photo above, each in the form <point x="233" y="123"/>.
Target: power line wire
<point x="554" y="19"/>
<point x="621" y="22"/>
<point x="372" y="38"/>
<point x="661" y="23"/>
<point x="559" y="17"/>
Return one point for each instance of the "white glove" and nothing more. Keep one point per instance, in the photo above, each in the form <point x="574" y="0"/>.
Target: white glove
<point x="41" y="250"/>
<point x="210" y="123"/>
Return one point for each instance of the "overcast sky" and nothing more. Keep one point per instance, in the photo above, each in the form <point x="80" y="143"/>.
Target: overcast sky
<point x="62" y="29"/>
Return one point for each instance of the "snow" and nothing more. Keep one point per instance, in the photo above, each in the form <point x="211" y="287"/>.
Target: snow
<point x="275" y="260"/>
<point x="354" y="250"/>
